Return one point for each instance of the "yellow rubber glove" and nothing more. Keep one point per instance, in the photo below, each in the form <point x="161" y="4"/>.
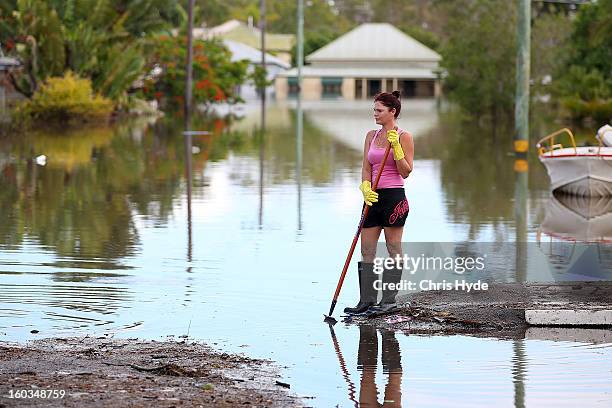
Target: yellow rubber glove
<point x="369" y="196"/>
<point x="393" y="138"/>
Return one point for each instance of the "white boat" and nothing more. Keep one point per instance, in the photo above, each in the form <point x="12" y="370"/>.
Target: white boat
<point x="577" y="170"/>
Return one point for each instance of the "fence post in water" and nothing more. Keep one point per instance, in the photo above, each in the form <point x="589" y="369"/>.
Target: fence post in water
<point x="521" y="104"/>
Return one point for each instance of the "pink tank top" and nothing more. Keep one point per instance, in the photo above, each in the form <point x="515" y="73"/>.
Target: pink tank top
<point x="390" y="177"/>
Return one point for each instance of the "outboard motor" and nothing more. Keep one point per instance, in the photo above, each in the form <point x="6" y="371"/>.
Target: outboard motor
<point x="604" y="134"/>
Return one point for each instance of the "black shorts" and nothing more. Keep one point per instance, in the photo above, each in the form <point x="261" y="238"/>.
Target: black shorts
<point x="391" y="210"/>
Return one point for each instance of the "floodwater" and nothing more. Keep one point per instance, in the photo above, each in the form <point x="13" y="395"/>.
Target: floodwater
<point x="105" y="235"/>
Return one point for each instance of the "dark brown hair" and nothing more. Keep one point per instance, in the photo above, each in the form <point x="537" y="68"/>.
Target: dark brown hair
<point x="390" y="100"/>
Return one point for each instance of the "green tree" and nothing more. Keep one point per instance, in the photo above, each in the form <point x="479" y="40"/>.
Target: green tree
<point x="480" y="56"/>
<point x="98" y="39"/>
<point x="549" y="48"/>
<point x="313" y="40"/>
<point x="281" y="15"/>
<point x="585" y="87"/>
<point x="215" y="76"/>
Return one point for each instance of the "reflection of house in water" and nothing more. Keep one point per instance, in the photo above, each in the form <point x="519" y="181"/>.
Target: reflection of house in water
<point x="249" y="116"/>
<point x="371" y="58"/>
<point x="348" y="122"/>
<point x="345" y="122"/>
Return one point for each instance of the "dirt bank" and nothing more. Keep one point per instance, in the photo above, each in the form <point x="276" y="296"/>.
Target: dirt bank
<point x="103" y="372"/>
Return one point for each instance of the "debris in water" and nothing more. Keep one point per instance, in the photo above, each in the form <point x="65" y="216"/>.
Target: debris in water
<point x="398" y="319"/>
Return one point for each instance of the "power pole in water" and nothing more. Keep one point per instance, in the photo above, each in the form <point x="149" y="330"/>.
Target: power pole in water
<point x="521" y="110"/>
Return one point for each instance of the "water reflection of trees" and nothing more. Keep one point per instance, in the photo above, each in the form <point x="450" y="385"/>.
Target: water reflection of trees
<point x="81" y="204"/>
<point x="477" y="168"/>
<point x="476" y="171"/>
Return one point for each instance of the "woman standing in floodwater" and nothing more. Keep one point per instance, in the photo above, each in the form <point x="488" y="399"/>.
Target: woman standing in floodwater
<point x="389" y="206"/>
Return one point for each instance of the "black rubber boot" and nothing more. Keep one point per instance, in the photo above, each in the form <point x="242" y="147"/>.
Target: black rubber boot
<point x="367" y="293"/>
<point x="387" y="303"/>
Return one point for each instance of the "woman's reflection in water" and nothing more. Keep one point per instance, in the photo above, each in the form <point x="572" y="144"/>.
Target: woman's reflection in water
<point x="367" y="362"/>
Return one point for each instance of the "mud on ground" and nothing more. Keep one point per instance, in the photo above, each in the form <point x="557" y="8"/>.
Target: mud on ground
<point x="103" y="372"/>
<point x="497" y="312"/>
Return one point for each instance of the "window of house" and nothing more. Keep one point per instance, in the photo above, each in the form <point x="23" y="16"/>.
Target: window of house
<point x="293" y="85"/>
<point x="358" y="88"/>
<point x="374" y="86"/>
<point x="331" y="87"/>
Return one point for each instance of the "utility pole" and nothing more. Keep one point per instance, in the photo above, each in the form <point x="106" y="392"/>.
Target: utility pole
<point x="521" y="104"/>
<point x="187" y="132"/>
<point x="262" y="30"/>
<point x="189" y="76"/>
<point x="521" y="140"/>
<point x="300" y="43"/>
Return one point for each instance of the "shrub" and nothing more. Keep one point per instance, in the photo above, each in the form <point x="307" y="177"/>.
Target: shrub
<point x="215" y="76"/>
<point x="64" y="99"/>
<point x="586" y="94"/>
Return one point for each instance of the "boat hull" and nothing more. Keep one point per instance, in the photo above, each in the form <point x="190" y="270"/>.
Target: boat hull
<point x="585" y="173"/>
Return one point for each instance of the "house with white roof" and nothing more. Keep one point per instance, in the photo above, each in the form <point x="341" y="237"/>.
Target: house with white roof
<point x="278" y="45"/>
<point x="371" y="58"/>
<point x="274" y="66"/>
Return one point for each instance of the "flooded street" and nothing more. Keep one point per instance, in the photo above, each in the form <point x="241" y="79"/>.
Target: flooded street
<point x="103" y="235"/>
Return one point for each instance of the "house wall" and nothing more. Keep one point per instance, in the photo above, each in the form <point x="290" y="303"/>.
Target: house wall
<point x="348" y="89"/>
<point x="311" y="88"/>
<point x="438" y="88"/>
<point x="281" y="87"/>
